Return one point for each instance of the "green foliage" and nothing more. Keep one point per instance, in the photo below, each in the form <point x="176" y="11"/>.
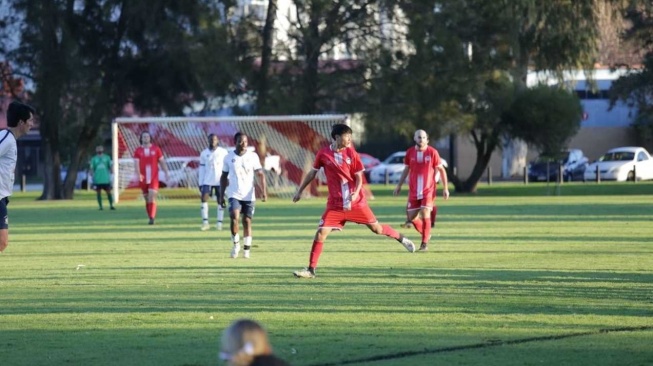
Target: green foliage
<point x="82" y="286"/>
<point x="544" y="108"/>
<point x="636" y="88"/>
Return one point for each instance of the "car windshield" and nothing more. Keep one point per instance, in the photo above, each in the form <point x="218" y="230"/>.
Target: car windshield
<point x="618" y="156"/>
<point x="394" y="160"/>
<point x="366" y="160"/>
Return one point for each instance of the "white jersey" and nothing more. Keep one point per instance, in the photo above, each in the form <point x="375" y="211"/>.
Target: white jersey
<point x="8" y="158"/>
<point x="241" y="175"/>
<point x="211" y="166"/>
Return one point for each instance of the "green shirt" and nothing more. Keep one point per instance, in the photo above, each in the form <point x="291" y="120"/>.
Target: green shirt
<point x="101" y="168"/>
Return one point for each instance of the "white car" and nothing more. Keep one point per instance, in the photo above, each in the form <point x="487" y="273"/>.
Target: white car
<point x="394" y="166"/>
<point x="622" y="164"/>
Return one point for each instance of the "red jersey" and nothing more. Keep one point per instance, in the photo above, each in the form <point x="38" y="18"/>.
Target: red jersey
<point x="148" y="162"/>
<point x="422" y="164"/>
<point x="340" y="168"/>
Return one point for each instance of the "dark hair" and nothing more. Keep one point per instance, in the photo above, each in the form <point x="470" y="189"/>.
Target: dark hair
<point x="18" y="111"/>
<point x="237" y="135"/>
<point x="339" y="130"/>
<point x="140" y="138"/>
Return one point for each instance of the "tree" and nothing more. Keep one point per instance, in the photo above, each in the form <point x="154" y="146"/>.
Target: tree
<point x="471" y="60"/>
<point x="552" y="109"/>
<point x="636" y="88"/>
<point x="88" y="59"/>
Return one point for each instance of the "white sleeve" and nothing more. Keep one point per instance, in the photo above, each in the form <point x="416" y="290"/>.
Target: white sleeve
<point x="202" y="168"/>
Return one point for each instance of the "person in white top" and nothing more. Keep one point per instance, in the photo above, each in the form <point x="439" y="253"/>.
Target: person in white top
<point x="211" y="160"/>
<point x="237" y="180"/>
<point x="20" y="119"/>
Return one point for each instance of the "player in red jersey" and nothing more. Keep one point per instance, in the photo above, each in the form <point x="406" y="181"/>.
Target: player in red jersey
<point x="423" y="164"/>
<point x="149" y="157"/>
<point x="346" y="203"/>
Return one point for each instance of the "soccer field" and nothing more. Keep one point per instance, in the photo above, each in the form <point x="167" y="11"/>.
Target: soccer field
<point x="515" y="275"/>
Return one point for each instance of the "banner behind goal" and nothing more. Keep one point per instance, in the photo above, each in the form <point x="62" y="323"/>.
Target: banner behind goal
<point x="286" y="145"/>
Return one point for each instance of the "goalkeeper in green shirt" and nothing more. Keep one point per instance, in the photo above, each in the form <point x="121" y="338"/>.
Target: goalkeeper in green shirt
<point x="101" y="174"/>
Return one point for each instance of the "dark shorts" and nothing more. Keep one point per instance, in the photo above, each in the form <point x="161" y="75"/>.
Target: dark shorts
<point x="4" y="216"/>
<point x="106" y="187"/>
<point x="246" y="207"/>
<point x="210" y="190"/>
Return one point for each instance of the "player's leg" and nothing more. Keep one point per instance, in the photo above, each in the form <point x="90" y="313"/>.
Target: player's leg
<point x="145" y="188"/>
<point x="434" y="211"/>
<point x="204" y="206"/>
<point x="331" y="220"/>
<point x="98" y="195"/>
<point x="425" y="212"/>
<point x="413" y="215"/>
<point x="234" y="213"/>
<point x="220" y="210"/>
<point x="107" y="189"/>
<point x="248" y="214"/>
<point x="4" y="224"/>
<point x="151" y="197"/>
<point x="364" y="215"/>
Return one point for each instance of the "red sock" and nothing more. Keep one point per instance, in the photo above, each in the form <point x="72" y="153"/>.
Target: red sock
<point x="148" y="209"/>
<point x="153" y="210"/>
<point x="316" y="250"/>
<point x="389" y="231"/>
<point x="417" y="224"/>
<point x="427" y="230"/>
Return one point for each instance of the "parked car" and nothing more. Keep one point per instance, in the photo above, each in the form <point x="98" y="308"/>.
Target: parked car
<point x="394" y="165"/>
<point x="369" y="162"/>
<point x="573" y="161"/>
<point x="622" y="164"/>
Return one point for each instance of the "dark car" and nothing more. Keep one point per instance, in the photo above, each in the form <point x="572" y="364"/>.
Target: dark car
<point x="544" y="168"/>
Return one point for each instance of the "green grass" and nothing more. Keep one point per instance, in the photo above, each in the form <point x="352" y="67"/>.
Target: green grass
<point x="517" y="275"/>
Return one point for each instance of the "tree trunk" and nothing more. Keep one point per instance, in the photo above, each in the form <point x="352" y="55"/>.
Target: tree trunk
<point x="485" y="146"/>
<point x="312" y="46"/>
<point x="266" y="55"/>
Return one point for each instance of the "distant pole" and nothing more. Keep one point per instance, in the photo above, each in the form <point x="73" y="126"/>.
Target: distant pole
<point x="634" y="173"/>
<point x="525" y="175"/>
<point x="489" y="175"/>
<point x="598" y="175"/>
<point x="23" y="183"/>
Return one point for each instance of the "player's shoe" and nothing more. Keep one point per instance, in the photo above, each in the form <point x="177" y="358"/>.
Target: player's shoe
<point x="218" y="225"/>
<point x="205" y="226"/>
<point x="235" y="250"/>
<point x="424" y="247"/>
<point x="407" y="225"/>
<point x="304" y="273"/>
<point x="151" y="222"/>
<point x="407" y="243"/>
<point x="246" y="253"/>
<point x="113" y="208"/>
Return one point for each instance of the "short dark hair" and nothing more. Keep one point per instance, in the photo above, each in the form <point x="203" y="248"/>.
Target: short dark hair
<point x="339" y="130"/>
<point x="140" y="138"/>
<point x="18" y="111"/>
<point x="237" y="135"/>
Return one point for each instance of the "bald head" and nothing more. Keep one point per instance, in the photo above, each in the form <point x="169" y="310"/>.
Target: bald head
<point x="421" y="139"/>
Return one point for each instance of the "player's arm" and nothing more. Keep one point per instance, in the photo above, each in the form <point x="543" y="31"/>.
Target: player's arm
<point x="264" y="184"/>
<point x="444" y="180"/>
<point x="164" y="166"/>
<point x="201" y="171"/>
<point x="224" y="182"/>
<point x="137" y="170"/>
<point x="305" y="182"/>
<point x="358" y="185"/>
<point x="404" y="174"/>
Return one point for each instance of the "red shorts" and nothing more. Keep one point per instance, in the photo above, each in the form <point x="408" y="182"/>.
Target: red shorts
<point x="153" y="186"/>
<point x="336" y="218"/>
<point x="418" y="204"/>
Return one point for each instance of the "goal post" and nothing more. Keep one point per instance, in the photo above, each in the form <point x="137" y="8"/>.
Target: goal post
<point x="286" y="146"/>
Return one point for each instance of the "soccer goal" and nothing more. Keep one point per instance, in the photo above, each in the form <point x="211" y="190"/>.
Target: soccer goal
<point x="286" y="145"/>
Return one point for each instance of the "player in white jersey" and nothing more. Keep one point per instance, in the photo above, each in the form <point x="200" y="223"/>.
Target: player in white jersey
<point x="238" y="170"/>
<point x="211" y="160"/>
<point x="20" y="119"/>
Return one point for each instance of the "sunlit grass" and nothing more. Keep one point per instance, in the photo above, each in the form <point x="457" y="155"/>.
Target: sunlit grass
<point x="81" y="286"/>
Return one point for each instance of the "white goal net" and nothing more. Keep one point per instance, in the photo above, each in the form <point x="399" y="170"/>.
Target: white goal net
<point x="286" y="145"/>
